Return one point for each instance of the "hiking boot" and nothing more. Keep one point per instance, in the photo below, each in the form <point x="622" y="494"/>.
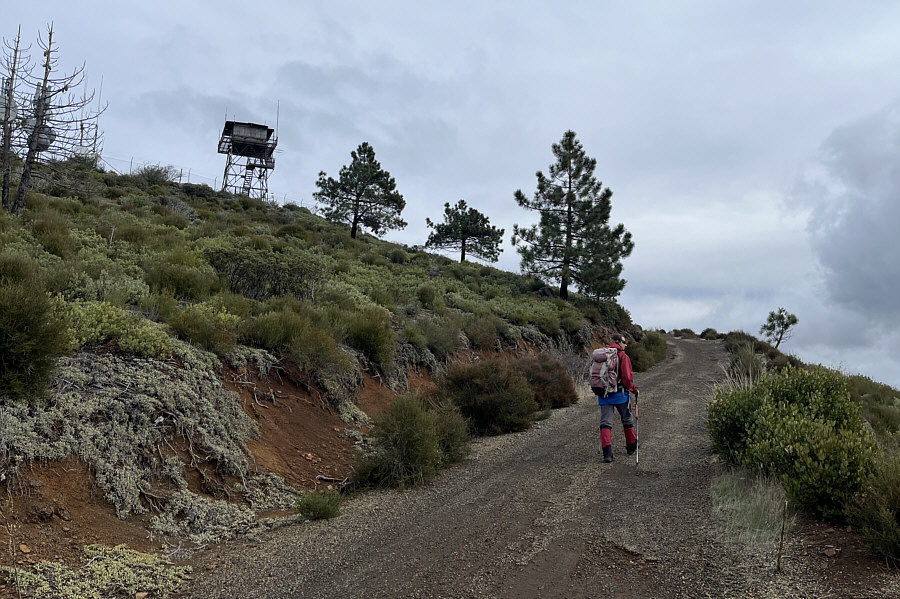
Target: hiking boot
<point x="631" y="448"/>
<point x="608" y="454"/>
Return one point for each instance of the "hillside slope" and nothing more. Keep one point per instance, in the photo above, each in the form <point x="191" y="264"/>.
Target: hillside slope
<point x="538" y="514"/>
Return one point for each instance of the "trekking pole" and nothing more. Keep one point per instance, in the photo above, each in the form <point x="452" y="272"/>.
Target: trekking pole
<point x="637" y="437"/>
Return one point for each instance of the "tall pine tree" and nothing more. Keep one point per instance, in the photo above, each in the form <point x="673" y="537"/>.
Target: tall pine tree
<point x="364" y="195"/>
<point x="467" y="230"/>
<point x="573" y="242"/>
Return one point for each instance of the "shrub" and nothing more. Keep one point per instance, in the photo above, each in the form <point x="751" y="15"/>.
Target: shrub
<point x="320" y="505"/>
<point x="184" y="281"/>
<point x="880" y="404"/>
<point x="99" y="322"/>
<point x="369" y="332"/>
<point x="211" y="328"/>
<point x="427" y="296"/>
<point x="31" y="336"/>
<point x="442" y="336"/>
<point x="549" y="380"/>
<point x="800" y="426"/>
<point x="262" y="274"/>
<point x="407" y="446"/>
<point x="51" y="229"/>
<point x="876" y="510"/>
<point x="709" y="334"/>
<point x="820" y="464"/>
<point x="493" y="396"/>
<point x="730" y="416"/>
<point x="107" y="572"/>
<point x="484" y="332"/>
<point x="452" y="431"/>
<point x="299" y="331"/>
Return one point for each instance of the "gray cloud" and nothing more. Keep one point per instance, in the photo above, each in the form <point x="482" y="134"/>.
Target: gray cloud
<point x="853" y="194"/>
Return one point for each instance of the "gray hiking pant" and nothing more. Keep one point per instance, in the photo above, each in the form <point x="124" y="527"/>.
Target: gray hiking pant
<point x="607" y="411"/>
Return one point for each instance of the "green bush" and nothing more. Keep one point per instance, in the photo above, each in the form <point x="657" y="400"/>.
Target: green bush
<point x="452" y="431"/>
<point x="99" y="322"/>
<point x="31" y="335"/>
<point x="709" y="334"/>
<point x="369" y="332"/>
<point x="261" y="274"/>
<point x="189" y="281"/>
<point x="549" y="380"/>
<point x="730" y="418"/>
<point x="407" y="447"/>
<point x="442" y="336"/>
<point x="427" y="296"/>
<point x="800" y="426"/>
<point x="880" y="405"/>
<point x="876" y="509"/>
<point x="319" y="505"/>
<point x="300" y="332"/>
<point x="493" y="396"/>
<point x="51" y="229"/>
<point x="206" y="326"/>
<point x="821" y="464"/>
<point x="484" y="331"/>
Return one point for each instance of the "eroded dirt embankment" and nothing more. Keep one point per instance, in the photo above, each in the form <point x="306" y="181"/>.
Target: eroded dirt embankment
<point x="538" y="514"/>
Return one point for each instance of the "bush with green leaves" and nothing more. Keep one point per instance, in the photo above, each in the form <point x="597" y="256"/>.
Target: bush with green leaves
<point x="801" y="426"/>
<point x="442" y="335"/>
<point x="407" y="446"/>
<point x="261" y="274"/>
<point x="369" y="332"/>
<point x="650" y="350"/>
<point x="182" y="273"/>
<point x="32" y="337"/>
<point x="319" y="505"/>
<point x="99" y="322"/>
<point x="549" y="380"/>
<point x="207" y="326"/>
<point x="880" y="405"/>
<point x="492" y="395"/>
<point x="730" y="419"/>
<point x="876" y="509"/>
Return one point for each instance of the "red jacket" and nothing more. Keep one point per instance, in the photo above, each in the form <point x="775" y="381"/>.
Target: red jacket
<point x="626" y="373"/>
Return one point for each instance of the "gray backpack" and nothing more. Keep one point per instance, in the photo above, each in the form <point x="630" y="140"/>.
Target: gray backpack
<point x="605" y="371"/>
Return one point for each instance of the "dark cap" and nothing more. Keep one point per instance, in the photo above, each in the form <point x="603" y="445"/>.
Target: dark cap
<point x="618" y="338"/>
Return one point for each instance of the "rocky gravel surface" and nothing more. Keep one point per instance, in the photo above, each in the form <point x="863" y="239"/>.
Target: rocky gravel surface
<point x="537" y="514"/>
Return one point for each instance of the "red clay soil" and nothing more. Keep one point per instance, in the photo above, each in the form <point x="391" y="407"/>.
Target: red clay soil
<point x="60" y="509"/>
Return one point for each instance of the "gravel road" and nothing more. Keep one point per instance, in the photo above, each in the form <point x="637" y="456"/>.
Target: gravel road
<point x="535" y="514"/>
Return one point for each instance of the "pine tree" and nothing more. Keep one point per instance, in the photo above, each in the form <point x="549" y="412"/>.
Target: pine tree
<point x="573" y="243"/>
<point x="778" y="325"/>
<point x="467" y="230"/>
<point x="363" y="195"/>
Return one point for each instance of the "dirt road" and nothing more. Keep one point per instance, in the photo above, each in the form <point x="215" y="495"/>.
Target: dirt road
<point x="538" y="514"/>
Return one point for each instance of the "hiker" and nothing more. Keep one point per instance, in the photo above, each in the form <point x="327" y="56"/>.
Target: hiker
<point x="611" y="380"/>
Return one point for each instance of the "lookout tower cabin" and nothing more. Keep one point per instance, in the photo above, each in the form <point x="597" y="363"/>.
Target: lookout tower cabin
<point x="251" y="156"/>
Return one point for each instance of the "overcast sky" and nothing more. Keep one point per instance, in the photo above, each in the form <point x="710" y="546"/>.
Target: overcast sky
<point x="753" y="148"/>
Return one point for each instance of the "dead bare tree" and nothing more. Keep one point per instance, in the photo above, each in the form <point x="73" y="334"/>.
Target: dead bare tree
<point x="13" y="65"/>
<point x="57" y="120"/>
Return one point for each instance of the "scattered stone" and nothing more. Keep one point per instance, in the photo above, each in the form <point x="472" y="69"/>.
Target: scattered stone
<point x="140" y="595"/>
<point x="24" y="548"/>
<point x="63" y="514"/>
<point x="829" y="531"/>
<point x="831" y="552"/>
<point x="66" y="529"/>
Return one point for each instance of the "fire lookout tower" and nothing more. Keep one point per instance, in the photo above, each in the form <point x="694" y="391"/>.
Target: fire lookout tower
<point x="251" y="156"/>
